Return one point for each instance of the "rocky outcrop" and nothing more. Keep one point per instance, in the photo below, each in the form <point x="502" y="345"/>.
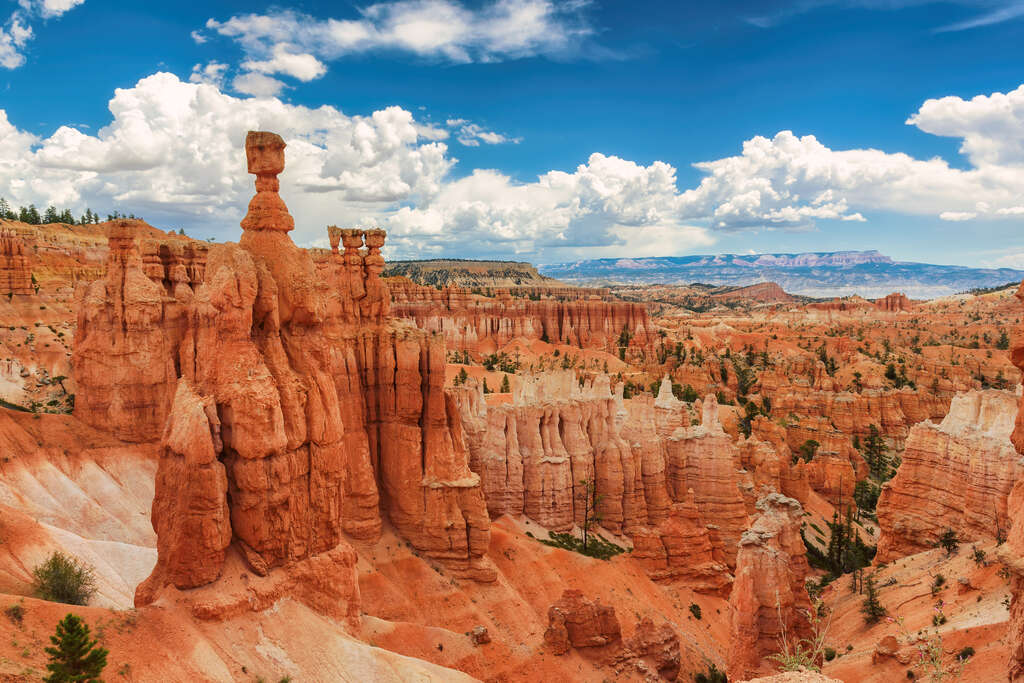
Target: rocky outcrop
<point x="703" y="459"/>
<point x="482" y="325"/>
<point x="302" y="411"/>
<point x="680" y="550"/>
<point x="15" y="273"/>
<point x="893" y="412"/>
<point x="533" y="453"/>
<point x="894" y="303"/>
<point x="768" y="596"/>
<point x="955" y="475"/>
<point x="125" y="362"/>
<point x="575" y="622"/>
<point x="652" y="651"/>
<point x="1011" y="553"/>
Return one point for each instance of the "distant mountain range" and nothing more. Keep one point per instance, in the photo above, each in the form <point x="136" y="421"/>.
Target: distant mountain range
<point x="468" y="273"/>
<point x="820" y="274"/>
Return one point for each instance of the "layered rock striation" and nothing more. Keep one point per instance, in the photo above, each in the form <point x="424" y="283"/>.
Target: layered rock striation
<point x="1011" y="553"/>
<point x="768" y="597"/>
<point x="954" y="475"/>
<point x="302" y="411"/>
<point x="481" y="324"/>
<point x="15" y="271"/>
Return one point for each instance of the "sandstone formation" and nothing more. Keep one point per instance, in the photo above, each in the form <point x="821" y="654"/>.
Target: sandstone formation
<point x="1012" y="552"/>
<point x="15" y="274"/>
<point x="652" y="651"/>
<point x="125" y="360"/>
<point x="482" y="325"/>
<point x="575" y="622"/>
<point x="680" y="549"/>
<point x="702" y="460"/>
<point x="533" y="453"/>
<point x="895" y="302"/>
<point x="301" y="410"/>
<point x="768" y="596"/>
<point x="955" y="475"/>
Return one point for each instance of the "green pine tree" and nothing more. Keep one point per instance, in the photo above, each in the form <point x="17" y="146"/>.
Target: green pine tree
<point x="74" y="658"/>
<point x="506" y="388"/>
<point x="875" y="454"/>
<point x="872" y="608"/>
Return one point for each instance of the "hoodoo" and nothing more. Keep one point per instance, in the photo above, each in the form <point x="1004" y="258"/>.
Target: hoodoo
<point x="301" y="411"/>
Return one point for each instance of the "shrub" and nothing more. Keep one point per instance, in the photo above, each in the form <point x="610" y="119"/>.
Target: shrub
<point x="830" y="654"/>
<point x="596" y="546"/>
<point x="978" y="556"/>
<point x="73" y="656"/>
<point x="64" y="579"/>
<point x="965" y="653"/>
<point x="15" y="613"/>
<point x="949" y="542"/>
<point x="937" y="583"/>
<point x="713" y="675"/>
<point x="695" y="610"/>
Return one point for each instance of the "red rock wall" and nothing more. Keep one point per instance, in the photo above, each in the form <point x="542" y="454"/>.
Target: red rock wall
<point x="956" y="475"/>
<point x="15" y="273"/>
<point x="1011" y="553"/>
<point x="482" y="325"/>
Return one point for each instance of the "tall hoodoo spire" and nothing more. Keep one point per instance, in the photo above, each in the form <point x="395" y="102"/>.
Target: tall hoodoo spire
<point x="267" y="211"/>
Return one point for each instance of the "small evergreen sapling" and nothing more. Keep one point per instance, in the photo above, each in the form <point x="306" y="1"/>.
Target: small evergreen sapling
<point x="74" y="658"/>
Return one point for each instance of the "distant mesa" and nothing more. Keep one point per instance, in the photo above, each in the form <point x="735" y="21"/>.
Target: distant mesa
<point x="869" y="274"/>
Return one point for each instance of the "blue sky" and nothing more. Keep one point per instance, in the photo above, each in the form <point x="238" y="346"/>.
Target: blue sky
<point x="536" y="130"/>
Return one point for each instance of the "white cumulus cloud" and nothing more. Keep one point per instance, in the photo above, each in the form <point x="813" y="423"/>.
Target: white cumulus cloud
<point x="173" y="153"/>
<point x="603" y="205"/>
<point x="287" y="42"/>
<point x="471" y="134"/>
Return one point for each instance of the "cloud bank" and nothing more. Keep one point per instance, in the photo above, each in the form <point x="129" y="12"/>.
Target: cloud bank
<point x="172" y="153"/>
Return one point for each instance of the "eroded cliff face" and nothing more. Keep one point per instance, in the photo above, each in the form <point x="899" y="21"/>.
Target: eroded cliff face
<point x="768" y="596"/>
<point x="15" y="273"/>
<point x="1011" y="553"/>
<point x="955" y="475"/>
<point x="533" y="453"/>
<point x="301" y="410"/>
<point x="481" y="324"/>
<point x="702" y="461"/>
<point x="124" y="361"/>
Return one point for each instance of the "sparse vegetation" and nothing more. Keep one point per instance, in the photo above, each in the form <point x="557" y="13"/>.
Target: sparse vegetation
<point x="713" y="675"/>
<point x="596" y="546"/>
<point x="64" y="579"/>
<point x="871" y="608"/>
<point x="949" y="542"/>
<point x="805" y="653"/>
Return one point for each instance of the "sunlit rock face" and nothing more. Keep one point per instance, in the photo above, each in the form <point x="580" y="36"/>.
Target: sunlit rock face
<point x="954" y="475"/>
<point x="290" y="407"/>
